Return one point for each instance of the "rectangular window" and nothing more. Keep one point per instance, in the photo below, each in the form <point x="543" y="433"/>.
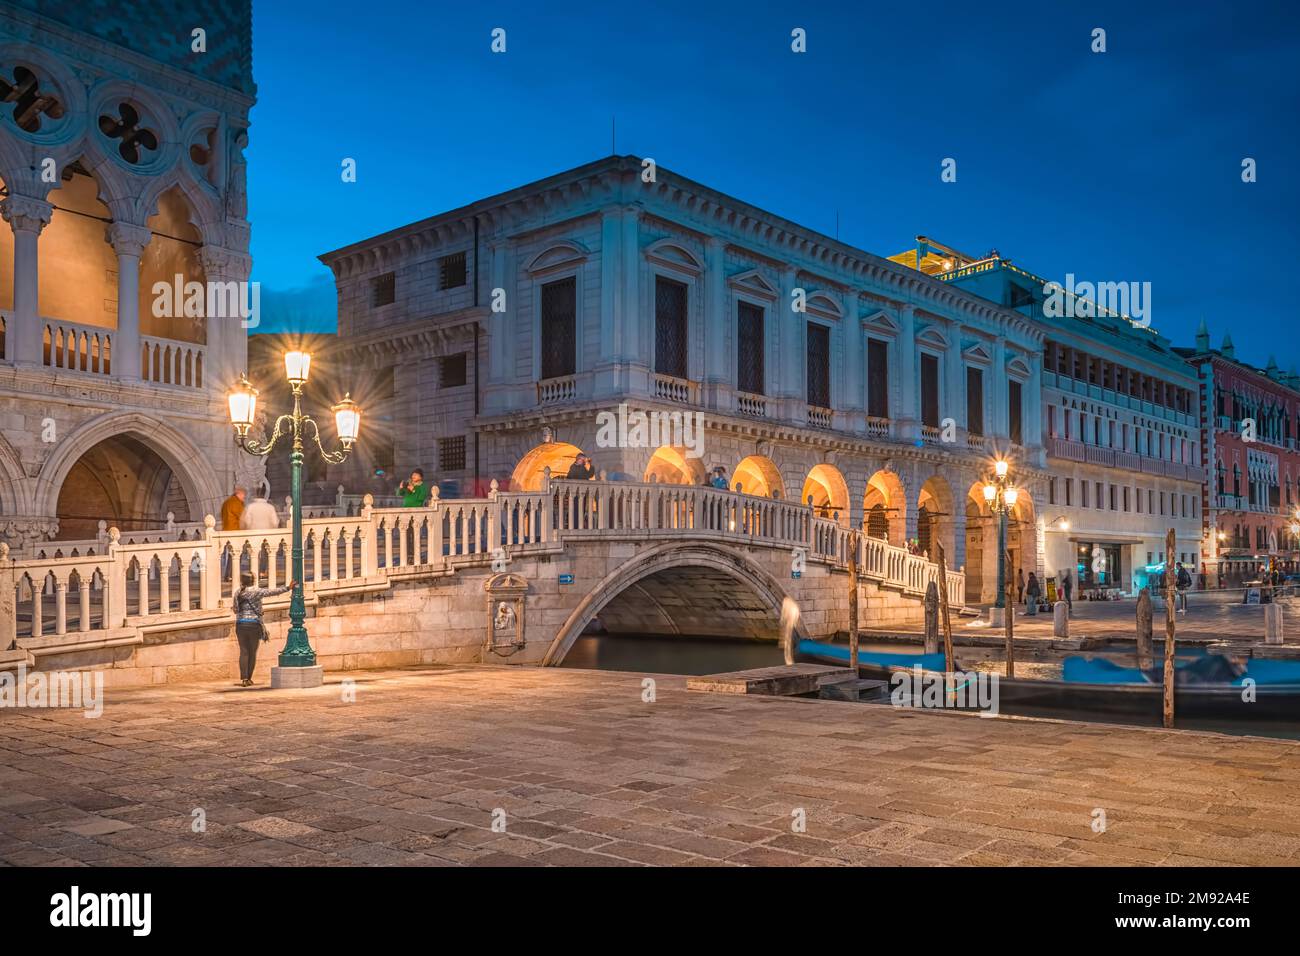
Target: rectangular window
<point x="1069" y="492"/>
<point x="451" y="271"/>
<point x="1151" y="502"/>
<point x="1051" y="491"/>
<point x="877" y="378"/>
<point x="1015" y="408"/>
<point x="1100" y="501"/>
<point x="383" y="290"/>
<point x="975" y="401"/>
<point x="559" y="321"/>
<point x="1126" y="497"/>
<point x="749" y="350"/>
<point x="819" y="365"/>
<point x="670" y="327"/>
<point x="1083" y="494"/>
<point x="1112" y="499"/>
<point x="929" y="390"/>
<point x="451" y="453"/>
<point x="451" y="370"/>
<point x="1138" y="496"/>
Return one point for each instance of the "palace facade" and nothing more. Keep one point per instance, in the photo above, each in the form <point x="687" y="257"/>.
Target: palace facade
<point x="1121" y="428"/>
<point x="494" y="339"/>
<point x="1252" y="465"/>
<point x="121" y="171"/>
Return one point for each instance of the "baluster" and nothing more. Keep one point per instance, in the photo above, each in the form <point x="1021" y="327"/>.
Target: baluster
<point x="60" y="607"/>
<point x="38" y="608"/>
<point x="333" y="546"/>
<point x="83" y="593"/>
<point x="164" y="586"/>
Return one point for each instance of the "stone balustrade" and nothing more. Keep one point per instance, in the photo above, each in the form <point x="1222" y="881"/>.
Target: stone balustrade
<point x="153" y="579"/>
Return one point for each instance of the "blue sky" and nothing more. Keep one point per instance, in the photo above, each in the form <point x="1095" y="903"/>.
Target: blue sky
<point x="1118" y="166"/>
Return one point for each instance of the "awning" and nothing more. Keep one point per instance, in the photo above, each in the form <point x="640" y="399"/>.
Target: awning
<point x="1106" y="539"/>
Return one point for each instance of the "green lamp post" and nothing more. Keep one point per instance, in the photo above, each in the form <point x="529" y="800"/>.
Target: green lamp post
<point x="347" y="419"/>
<point x="1001" y="496"/>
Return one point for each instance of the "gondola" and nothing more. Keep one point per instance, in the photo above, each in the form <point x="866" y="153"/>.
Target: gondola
<point x="1206" y="685"/>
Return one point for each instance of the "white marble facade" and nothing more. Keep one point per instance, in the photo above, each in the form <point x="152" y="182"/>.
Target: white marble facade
<point x="612" y="235"/>
<point x="121" y="167"/>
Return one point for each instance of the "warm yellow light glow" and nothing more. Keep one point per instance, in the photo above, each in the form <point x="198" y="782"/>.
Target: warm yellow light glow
<point x="347" y="419"/>
<point x="243" y="406"/>
<point x="1000" y="468"/>
<point x="1223" y="535"/>
<point x="1065" y="525"/>
<point x="990" y="492"/>
<point x="1011" y="494"/>
<point x="297" y="366"/>
<point x="1295" y="528"/>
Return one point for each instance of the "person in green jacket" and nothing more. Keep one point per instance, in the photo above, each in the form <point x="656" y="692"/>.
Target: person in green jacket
<point x="414" y="492"/>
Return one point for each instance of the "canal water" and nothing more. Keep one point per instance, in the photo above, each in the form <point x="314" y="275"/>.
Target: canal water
<point x="690" y="656"/>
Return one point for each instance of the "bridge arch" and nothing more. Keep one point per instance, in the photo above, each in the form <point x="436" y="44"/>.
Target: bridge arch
<point x="741" y="599"/>
<point x="758" y="475"/>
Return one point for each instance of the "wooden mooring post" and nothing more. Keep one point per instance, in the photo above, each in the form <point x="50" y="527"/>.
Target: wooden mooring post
<point x="1171" y="584"/>
<point x="853" y="601"/>
<point x="943" y="611"/>
<point x="1009" y="617"/>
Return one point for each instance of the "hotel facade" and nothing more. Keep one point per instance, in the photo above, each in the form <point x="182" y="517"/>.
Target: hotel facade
<point x="1252" y="464"/>
<point x="495" y="336"/>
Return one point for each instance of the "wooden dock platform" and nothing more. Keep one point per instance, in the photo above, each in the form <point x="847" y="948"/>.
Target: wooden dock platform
<point x="785" y="680"/>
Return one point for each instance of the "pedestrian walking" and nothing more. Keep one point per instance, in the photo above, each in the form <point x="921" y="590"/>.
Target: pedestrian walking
<point x="250" y="629"/>
<point x="1182" y="582"/>
<point x="1020" y="585"/>
<point x="1033" y="591"/>
<point x="232" y="509"/>
<point x="414" y="492"/>
<point x="1067" y="588"/>
<point x="259" y="515"/>
<point x="232" y="512"/>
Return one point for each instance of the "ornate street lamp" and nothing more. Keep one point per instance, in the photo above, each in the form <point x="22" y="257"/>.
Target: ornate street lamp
<point x="1000" y="495"/>
<point x="347" y="421"/>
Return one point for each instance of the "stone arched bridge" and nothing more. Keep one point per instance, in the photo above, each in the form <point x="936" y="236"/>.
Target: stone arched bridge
<point x="514" y="577"/>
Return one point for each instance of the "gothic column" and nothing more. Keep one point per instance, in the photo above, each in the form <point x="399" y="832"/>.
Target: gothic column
<point x="128" y="241"/>
<point x="226" y="337"/>
<point x="27" y="217"/>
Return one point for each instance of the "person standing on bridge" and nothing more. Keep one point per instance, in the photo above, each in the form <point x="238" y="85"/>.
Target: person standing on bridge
<point x="720" y="478"/>
<point x="414" y="492"/>
<point x="249" y="626"/>
<point x="582" y="468"/>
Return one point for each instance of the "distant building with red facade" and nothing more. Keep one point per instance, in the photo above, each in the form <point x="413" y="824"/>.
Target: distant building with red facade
<point x="1251" y="429"/>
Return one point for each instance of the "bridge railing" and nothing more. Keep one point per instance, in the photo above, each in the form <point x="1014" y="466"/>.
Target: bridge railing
<point x="151" y="578"/>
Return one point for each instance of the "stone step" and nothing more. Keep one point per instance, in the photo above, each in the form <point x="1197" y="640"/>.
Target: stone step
<point x="782" y="681"/>
<point x="854" y="689"/>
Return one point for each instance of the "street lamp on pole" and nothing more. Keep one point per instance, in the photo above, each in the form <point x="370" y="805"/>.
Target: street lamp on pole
<point x="1001" y="495"/>
<point x="347" y="421"/>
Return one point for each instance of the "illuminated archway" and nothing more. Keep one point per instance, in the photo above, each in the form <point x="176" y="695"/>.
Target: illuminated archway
<point x="78" y="269"/>
<point x="670" y="465"/>
<point x="884" y="507"/>
<point x="981" y="548"/>
<point x="757" y="475"/>
<point x="1022" y="536"/>
<point x="934" y="518"/>
<point x="171" y="256"/>
<point x="556" y="455"/>
<point x="829" y="492"/>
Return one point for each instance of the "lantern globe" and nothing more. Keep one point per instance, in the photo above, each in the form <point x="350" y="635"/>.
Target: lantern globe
<point x="297" y="366"/>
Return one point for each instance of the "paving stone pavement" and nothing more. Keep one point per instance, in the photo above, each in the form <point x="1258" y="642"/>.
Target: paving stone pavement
<point x="587" y="774"/>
